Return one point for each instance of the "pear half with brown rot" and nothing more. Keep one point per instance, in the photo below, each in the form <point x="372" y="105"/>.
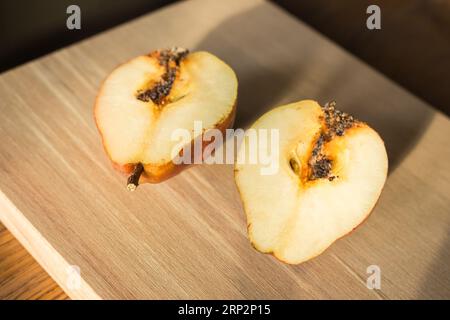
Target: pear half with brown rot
<point x="144" y="100"/>
<point x="332" y="169"/>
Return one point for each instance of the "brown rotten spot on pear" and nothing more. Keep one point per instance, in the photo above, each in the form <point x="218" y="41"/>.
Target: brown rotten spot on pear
<point x="142" y="102"/>
<point x="332" y="169"/>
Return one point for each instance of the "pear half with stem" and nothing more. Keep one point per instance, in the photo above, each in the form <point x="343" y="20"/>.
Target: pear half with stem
<point x="143" y="101"/>
<point x="332" y="169"/>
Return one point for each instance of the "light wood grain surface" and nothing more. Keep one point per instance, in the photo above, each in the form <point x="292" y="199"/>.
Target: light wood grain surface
<point x="186" y="238"/>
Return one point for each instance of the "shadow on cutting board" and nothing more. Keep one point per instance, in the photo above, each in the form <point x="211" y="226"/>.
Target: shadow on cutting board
<point x="275" y="66"/>
<point x="434" y="280"/>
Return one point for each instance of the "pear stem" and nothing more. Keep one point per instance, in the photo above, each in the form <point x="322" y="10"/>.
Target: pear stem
<point x="133" y="179"/>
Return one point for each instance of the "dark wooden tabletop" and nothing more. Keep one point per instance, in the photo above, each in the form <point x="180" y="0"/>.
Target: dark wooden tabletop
<point x="21" y="277"/>
<point x="412" y="47"/>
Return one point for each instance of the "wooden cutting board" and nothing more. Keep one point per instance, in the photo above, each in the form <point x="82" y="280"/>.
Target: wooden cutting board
<point x="186" y="238"/>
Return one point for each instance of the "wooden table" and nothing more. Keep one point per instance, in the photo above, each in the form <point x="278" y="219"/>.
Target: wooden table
<point x="21" y="277"/>
<point x="186" y="238"/>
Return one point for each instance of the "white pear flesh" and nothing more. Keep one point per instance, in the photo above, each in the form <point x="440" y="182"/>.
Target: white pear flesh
<point x="294" y="219"/>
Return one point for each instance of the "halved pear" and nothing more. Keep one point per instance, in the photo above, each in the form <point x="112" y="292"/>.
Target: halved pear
<point x="143" y="101"/>
<point x="332" y="169"/>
